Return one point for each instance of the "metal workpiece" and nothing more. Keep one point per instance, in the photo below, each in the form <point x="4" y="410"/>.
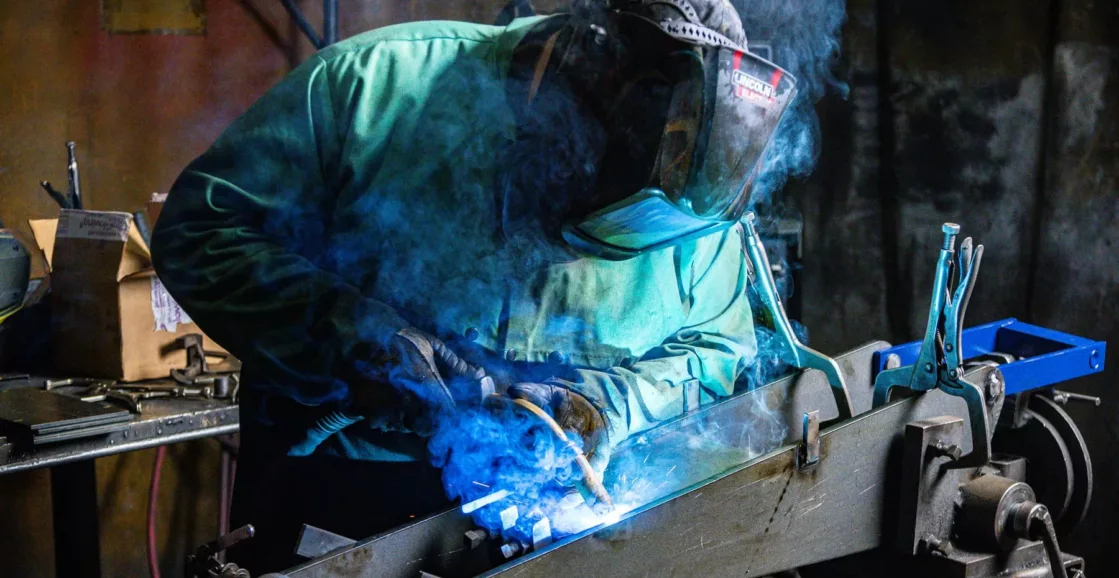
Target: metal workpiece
<point x="808" y="452"/>
<point x="314" y="542"/>
<point x="760" y="518"/>
<point x="789" y="347"/>
<point x="436" y="544"/>
<point x="887" y="480"/>
<point x="723" y="521"/>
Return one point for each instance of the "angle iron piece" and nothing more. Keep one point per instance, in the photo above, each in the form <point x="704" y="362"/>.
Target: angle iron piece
<point x="808" y="453"/>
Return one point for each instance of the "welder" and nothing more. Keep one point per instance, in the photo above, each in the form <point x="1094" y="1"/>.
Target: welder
<point x="553" y="203"/>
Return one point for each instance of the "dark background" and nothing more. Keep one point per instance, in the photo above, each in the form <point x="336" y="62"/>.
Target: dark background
<point x="1000" y="115"/>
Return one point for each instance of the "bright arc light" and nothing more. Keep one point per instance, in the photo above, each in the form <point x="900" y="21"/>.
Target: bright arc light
<point x="484" y="501"/>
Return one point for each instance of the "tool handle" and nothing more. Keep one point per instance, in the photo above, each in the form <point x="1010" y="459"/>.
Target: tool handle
<point x="72" y="174"/>
<point x="590" y="477"/>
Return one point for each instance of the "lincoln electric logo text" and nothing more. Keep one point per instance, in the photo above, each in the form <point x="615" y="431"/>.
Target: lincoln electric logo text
<point x="750" y="88"/>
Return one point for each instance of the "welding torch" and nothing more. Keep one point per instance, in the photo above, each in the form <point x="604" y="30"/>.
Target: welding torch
<point x="591" y="479"/>
<point x="461" y="390"/>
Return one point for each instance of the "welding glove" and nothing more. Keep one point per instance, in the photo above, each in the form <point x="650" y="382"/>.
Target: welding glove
<point x="426" y="380"/>
<point x="575" y="414"/>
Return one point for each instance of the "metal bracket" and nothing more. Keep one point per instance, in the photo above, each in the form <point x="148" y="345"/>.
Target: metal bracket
<point x="314" y="542"/>
<point x="808" y="453"/>
<point x="927" y="491"/>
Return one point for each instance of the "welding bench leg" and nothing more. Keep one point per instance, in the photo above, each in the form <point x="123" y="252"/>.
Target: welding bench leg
<point x="74" y="503"/>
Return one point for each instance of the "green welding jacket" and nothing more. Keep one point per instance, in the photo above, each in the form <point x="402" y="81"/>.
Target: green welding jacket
<point x="357" y="197"/>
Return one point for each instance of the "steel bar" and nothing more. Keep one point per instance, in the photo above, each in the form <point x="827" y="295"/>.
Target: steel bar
<point x="763" y="517"/>
<point x="436" y="544"/>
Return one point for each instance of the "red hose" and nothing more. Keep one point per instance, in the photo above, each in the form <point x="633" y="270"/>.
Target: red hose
<point x="153" y="495"/>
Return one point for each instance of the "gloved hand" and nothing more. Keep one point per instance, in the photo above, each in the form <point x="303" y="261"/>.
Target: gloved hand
<point x="575" y="414"/>
<point x="417" y="380"/>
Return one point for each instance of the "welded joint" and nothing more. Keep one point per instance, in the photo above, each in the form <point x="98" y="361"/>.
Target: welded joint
<point x="808" y="452"/>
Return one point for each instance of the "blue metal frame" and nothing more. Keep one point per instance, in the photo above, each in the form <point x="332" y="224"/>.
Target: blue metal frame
<point x="1046" y="357"/>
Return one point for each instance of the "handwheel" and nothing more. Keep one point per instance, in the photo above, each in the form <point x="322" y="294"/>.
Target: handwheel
<point x="1081" y="496"/>
<point x="1049" y="467"/>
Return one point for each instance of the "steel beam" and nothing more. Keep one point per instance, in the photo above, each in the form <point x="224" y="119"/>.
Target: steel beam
<point x="436" y="544"/>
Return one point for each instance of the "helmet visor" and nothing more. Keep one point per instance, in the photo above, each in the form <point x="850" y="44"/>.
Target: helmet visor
<point x="725" y="107"/>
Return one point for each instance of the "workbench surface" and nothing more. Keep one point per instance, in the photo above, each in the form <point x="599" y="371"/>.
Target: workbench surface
<point x="161" y="422"/>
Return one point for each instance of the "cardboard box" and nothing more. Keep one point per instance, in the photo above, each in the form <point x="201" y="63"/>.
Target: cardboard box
<point x="111" y="317"/>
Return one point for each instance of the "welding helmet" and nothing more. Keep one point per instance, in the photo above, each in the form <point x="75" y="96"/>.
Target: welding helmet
<point x="719" y="108"/>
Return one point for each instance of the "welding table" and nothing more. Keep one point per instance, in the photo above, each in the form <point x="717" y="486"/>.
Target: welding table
<point x="73" y="478"/>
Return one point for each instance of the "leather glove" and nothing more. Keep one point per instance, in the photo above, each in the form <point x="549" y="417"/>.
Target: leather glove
<point x="426" y="381"/>
<point x="574" y="413"/>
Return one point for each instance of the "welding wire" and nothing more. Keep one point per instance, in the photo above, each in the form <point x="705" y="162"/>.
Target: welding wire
<point x="594" y="484"/>
<point x="484" y="501"/>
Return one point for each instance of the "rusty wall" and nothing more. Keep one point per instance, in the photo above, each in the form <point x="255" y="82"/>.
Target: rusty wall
<point x="140" y="105"/>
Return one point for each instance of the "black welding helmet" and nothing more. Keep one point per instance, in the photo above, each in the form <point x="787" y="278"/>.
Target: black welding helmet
<point x="721" y="106"/>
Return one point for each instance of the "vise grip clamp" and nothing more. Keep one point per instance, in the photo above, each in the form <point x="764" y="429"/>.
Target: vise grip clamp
<point x="939" y="364"/>
<point x="790" y="349"/>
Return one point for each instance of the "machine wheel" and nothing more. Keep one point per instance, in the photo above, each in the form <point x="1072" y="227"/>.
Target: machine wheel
<point x="1081" y="462"/>
<point x="1049" y="469"/>
<point x="1059" y="468"/>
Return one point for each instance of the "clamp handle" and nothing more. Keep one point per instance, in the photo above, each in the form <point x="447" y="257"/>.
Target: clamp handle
<point x="973" y="396"/>
<point x="791" y="350"/>
<point x="939" y="363"/>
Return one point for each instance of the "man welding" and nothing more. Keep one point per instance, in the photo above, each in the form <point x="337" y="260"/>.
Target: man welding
<point x="553" y="204"/>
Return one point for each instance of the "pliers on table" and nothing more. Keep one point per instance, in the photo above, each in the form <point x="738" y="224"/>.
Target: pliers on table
<point x="940" y="364"/>
<point x="790" y="349"/>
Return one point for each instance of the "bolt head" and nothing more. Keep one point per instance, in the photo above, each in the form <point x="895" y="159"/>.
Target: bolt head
<point x="951" y="229"/>
<point x="995" y="386"/>
<point x="948" y="347"/>
<point x="953" y="374"/>
<point x="929" y="367"/>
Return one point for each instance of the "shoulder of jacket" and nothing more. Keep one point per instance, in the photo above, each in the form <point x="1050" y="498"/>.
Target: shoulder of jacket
<point x="429" y="32"/>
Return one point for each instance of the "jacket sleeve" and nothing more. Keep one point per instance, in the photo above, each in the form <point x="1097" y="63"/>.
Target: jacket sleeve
<point x="242" y="239"/>
<point x="709" y="352"/>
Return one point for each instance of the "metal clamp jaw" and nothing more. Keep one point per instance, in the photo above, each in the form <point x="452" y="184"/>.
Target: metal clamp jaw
<point x="790" y="349"/>
<point x="940" y="364"/>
